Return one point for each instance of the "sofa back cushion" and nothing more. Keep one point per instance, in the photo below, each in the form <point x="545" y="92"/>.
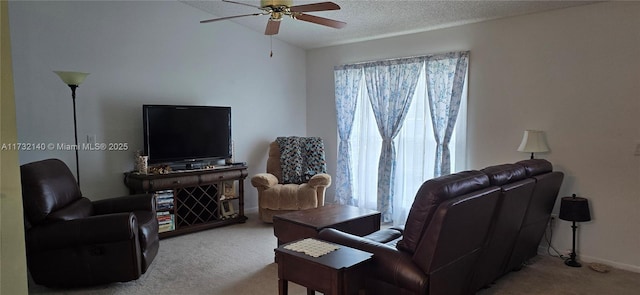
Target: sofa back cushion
<point x="48" y="186"/>
<point x="430" y="195"/>
<point x="535" y="167"/>
<point x="273" y="162"/>
<point x="79" y="208"/>
<point x="506" y="173"/>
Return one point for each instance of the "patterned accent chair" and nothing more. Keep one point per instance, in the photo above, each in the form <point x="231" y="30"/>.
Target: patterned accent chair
<point x="279" y="191"/>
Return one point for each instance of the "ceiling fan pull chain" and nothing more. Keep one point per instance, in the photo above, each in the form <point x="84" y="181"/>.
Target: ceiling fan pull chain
<point x="271" y="46"/>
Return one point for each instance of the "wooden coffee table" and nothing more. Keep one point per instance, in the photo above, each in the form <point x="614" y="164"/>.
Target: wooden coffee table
<point x="339" y="272"/>
<point x="297" y="225"/>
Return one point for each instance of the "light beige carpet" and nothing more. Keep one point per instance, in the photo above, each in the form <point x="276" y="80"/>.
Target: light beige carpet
<point x="238" y="260"/>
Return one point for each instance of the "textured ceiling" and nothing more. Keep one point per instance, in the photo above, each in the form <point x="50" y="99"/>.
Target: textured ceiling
<point x="373" y="19"/>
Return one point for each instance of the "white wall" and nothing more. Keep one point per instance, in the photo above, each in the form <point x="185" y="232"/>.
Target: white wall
<point x="146" y="52"/>
<point x="574" y="73"/>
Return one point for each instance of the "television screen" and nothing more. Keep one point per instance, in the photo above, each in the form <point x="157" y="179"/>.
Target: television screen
<point x="176" y="133"/>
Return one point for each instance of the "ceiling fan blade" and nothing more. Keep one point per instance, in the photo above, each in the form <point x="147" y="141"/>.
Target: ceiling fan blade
<point x="228" y="17"/>
<point x="273" y="26"/>
<point x="321" y="6"/>
<point x="320" y="20"/>
<point x="245" y="4"/>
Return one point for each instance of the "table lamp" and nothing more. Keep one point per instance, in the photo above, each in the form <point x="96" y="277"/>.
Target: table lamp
<point x="574" y="209"/>
<point x="533" y="142"/>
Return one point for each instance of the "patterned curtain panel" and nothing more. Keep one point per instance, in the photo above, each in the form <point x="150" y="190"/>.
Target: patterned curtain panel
<point x="347" y="84"/>
<point x="391" y="85"/>
<point x="445" y="80"/>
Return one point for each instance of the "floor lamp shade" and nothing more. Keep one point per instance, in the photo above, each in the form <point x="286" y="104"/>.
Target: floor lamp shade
<point x="71" y="78"/>
<point x="533" y="142"/>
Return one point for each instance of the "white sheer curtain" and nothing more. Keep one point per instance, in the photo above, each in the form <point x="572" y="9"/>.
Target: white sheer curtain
<point x="415" y="147"/>
<point x="366" y="144"/>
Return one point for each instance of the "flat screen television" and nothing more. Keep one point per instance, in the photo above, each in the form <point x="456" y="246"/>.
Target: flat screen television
<point x="184" y="133"/>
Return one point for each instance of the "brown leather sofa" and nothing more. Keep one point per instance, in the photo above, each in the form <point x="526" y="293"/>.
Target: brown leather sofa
<point x="463" y="231"/>
<point x="72" y="241"/>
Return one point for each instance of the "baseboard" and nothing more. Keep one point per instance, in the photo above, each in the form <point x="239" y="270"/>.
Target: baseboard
<point x="614" y="264"/>
<point x="588" y="259"/>
<point x="251" y="210"/>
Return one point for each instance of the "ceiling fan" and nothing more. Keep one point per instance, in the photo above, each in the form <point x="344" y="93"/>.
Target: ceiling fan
<point x="277" y="9"/>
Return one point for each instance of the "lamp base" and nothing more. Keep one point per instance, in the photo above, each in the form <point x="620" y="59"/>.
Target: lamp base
<point x="572" y="263"/>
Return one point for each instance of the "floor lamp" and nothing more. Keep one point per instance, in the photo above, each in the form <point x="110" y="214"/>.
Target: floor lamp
<point x="574" y="209"/>
<point x="73" y="80"/>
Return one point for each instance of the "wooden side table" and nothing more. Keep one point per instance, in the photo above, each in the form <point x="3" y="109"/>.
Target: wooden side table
<point x="339" y="272"/>
<point x="296" y="225"/>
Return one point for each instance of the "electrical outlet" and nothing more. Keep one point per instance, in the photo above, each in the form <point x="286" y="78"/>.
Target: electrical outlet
<point x="552" y="221"/>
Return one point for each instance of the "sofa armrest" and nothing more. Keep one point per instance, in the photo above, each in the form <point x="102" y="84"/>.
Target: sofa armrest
<point x="391" y="264"/>
<point x="399" y="228"/>
<point x="264" y="180"/>
<point x="321" y="179"/>
<point x="140" y="202"/>
<point x="353" y="241"/>
<point x="97" y="229"/>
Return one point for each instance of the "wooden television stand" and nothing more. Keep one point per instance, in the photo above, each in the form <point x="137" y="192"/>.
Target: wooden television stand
<point x="194" y="200"/>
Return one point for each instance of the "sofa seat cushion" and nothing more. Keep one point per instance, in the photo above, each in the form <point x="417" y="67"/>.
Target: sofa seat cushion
<point x="384" y="235"/>
<point x="289" y="197"/>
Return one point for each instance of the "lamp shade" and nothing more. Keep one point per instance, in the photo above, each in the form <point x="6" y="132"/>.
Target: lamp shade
<point x="71" y="78"/>
<point x="574" y="209"/>
<point x="533" y="142"/>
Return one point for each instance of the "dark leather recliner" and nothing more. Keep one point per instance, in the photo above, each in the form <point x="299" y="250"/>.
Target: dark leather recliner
<point x="72" y="241"/>
<point x="433" y="256"/>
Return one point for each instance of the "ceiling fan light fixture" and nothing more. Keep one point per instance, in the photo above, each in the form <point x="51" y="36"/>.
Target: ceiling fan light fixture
<point x="275" y="3"/>
<point x="277" y="16"/>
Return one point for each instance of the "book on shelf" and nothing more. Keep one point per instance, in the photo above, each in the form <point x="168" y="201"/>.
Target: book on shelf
<point x="166" y="221"/>
<point x="167" y="205"/>
<point x="164" y="200"/>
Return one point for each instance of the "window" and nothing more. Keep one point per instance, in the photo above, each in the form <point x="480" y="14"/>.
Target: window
<point x="415" y="143"/>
